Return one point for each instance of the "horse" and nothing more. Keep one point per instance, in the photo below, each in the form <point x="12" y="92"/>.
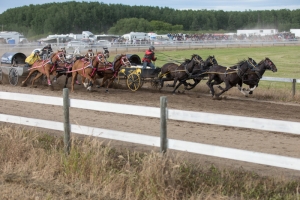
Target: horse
<point x="87" y="70"/>
<point x="252" y="77"/>
<point x="45" y="67"/>
<point x="67" y="68"/>
<point x="199" y="72"/>
<point x="175" y="72"/>
<point x="109" y="71"/>
<point x="231" y="76"/>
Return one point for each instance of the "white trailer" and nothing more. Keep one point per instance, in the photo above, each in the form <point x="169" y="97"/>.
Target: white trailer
<point x="296" y="32"/>
<point x="261" y="32"/>
<point x="13" y="36"/>
<point x="135" y="36"/>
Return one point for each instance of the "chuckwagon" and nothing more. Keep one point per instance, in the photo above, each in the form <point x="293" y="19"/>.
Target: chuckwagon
<point x="13" y="66"/>
<point x="135" y="76"/>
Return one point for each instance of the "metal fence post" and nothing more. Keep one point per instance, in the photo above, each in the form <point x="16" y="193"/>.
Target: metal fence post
<point x="163" y="124"/>
<point x="66" y="105"/>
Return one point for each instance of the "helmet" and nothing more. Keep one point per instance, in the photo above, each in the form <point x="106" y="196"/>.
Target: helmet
<point x="49" y="45"/>
<point x="151" y="48"/>
<point x="36" y="51"/>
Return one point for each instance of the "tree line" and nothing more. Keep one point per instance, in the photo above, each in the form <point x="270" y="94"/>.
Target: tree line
<point x="97" y="17"/>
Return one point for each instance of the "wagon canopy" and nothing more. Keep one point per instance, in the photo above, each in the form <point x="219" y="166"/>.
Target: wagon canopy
<point x="134" y="59"/>
<point x="13" y="58"/>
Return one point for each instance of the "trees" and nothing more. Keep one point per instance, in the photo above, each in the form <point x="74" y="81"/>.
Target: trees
<point x="74" y="17"/>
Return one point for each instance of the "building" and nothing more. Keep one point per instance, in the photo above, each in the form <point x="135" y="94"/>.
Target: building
<point x="260" y="32"/>
<point x="296" y="32"/>
<point x="13" y="37"/>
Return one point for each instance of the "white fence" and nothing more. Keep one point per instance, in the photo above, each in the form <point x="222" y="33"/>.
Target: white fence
<point x="286" y="80"/>
<point x="171" y="114"/>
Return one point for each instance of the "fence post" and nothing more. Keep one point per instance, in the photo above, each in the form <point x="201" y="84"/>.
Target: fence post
<point x="163" y="124"/>
<point x="66" y="105"/>
<point x="294" y="87"/>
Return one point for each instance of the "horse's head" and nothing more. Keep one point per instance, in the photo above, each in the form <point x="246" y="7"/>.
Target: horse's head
<point x="270" y="65"/>
<point x="122" y="60"/>
<point x="100" y="58"/>
<point x="197" y="59"/>
<point x="210" y="61"/>
<point x="90" y="54"/>
<point x="58" y="57"/>
<point x="105" y="52"/>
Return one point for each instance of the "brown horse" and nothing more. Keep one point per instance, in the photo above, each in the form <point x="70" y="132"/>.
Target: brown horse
<point x="87" y="70"/>
<point x="181" y="73"/>
<point x="231" y="76"/>
<point x="109" y="71"/>
<point x="45" y="67"/>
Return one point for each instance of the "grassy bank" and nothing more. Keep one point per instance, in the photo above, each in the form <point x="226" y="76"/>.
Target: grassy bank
<point x="33" y="166"/>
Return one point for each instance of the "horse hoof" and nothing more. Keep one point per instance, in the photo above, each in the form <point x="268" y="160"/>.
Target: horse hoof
<point x="224" y="97"/>
<point x="217" y="98"/>
<point x="106" y="91"/>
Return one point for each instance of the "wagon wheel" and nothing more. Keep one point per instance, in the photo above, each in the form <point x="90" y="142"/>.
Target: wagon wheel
<point x="154" y="83"/>
<point x="13" y="76"/>
<point x="133" y="82"/>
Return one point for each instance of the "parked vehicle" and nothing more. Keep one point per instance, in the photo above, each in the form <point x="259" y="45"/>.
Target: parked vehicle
<point x="76" y="43"/>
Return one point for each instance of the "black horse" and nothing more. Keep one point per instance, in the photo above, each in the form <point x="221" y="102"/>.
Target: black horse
<point x="199" y="72"/>
<point x="174" y="72"/>
<point x="231" y="76"/>
<point x="253" y="76"/>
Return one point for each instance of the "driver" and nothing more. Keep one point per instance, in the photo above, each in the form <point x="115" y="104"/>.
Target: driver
<point x="149" y="56"/>
<point x="32" y="58"/>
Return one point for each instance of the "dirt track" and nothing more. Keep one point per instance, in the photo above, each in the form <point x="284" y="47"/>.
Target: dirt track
<point x="253" y="140"/>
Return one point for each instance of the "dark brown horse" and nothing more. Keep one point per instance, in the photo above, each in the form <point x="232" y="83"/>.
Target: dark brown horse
<point x="231" y="76"/>
<point x="174" y="72"/>
<point x="199" y="72"/>
<point x="109" y="71"/>
<point x="45" y="67"/>
<point x="253" y="76"/>
<point x="87" y="70"/>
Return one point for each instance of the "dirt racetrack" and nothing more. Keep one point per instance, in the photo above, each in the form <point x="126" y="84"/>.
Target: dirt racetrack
<point x="247" y="139"/>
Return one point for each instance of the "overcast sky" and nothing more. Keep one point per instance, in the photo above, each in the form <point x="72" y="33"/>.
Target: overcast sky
<point x="225" y="5"/>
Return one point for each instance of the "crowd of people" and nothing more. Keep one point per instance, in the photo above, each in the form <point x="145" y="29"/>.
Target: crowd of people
<point x="222" y="37"/>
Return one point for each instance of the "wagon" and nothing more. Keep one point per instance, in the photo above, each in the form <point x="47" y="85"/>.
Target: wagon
<point x="135" y="76"/>
<point x="13" y="66"/>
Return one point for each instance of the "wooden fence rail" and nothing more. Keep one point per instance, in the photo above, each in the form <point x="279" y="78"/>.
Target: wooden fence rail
<point x="163" y="113"/>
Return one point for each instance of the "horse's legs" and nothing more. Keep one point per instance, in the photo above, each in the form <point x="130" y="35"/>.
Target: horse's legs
<point x="24" y="82"/>
<point x="174" y="83"/>
<point x="39" y="74"/>
<point x="179" y="84"/>
<point x="109" y="83"/>
<point x="210" y="84"/>
<point x="196" y="82"/>
<point x="90" y="83"/>
<point x="228" y="86"/>
<point x="74" y="76"/>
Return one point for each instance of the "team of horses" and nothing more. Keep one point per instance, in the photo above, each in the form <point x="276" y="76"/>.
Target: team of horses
<point x="189" y="73"/>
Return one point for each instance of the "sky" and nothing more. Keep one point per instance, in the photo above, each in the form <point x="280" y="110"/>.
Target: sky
<point x="225" y="5"/>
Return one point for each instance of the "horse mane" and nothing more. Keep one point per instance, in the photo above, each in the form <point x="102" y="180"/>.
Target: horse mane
<point x="118" y="57"/>
<point x="263" y="60"/>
